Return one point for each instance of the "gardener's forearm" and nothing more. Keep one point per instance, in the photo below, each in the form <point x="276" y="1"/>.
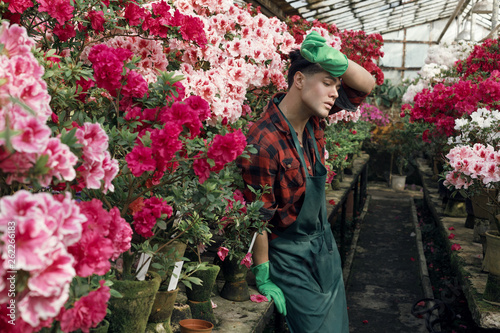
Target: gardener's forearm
<point x="261" y="249"/>
<point x="357" y="77"/>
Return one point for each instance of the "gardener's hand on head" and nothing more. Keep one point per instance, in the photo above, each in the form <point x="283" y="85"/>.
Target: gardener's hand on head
<point x="315" y="50"/>
<point x="267" y="288"/>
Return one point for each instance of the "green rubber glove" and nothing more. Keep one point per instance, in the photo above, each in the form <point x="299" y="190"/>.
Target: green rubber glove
<point x="267" y="288"/>
<point x="315" y="50"/>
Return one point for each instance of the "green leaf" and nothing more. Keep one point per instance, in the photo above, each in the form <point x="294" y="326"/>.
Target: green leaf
<point x="25" y="106"/>
<point x="115" y="293"/>
<point x="157" y="265"/>
<point x="41" y="165"/>
<point x="161" y="224"/>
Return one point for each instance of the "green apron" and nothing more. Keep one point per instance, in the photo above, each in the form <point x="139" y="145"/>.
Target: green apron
<point x="305" y="262"/>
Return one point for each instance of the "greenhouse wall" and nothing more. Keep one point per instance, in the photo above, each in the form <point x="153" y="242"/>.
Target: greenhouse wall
<point x="405" y="50"/>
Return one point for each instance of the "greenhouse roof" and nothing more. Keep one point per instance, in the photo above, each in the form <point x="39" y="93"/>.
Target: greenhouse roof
<point x="372" y="16"/>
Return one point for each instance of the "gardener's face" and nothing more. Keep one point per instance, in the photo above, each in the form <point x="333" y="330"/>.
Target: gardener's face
<point x="319" y="92"/>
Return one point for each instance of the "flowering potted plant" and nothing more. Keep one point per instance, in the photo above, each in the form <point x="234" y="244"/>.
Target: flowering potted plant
<point x="56" y="242"/>
<point x="473" y="169"/>
<point x="472" y="162"/>
<point x="238" y="229"/>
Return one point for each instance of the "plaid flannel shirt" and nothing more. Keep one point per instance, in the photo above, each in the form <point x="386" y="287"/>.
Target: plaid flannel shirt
<point x="277" y="162"/>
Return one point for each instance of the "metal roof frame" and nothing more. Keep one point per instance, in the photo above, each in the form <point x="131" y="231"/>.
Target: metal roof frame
<point x="375" y="16"/>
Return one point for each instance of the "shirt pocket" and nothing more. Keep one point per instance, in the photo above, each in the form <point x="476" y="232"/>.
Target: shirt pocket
<point x="291" y="176"/>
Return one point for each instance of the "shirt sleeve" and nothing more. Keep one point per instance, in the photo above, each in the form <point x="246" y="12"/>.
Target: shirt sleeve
<point x="259" y="170"/>
<point x="349" y="99"/>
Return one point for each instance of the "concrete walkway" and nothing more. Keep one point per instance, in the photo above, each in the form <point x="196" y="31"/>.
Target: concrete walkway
<point x="384" y="277"/>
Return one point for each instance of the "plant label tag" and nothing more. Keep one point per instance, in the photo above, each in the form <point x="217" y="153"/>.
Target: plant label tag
<point x="175" y="276"/>
<point x="143" y="265"/>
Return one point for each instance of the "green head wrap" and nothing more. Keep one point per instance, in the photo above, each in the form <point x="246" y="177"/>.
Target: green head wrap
<point x="315" y="50"/>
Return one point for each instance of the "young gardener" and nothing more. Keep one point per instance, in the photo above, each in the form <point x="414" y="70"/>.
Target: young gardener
<point x="298" y="264"/>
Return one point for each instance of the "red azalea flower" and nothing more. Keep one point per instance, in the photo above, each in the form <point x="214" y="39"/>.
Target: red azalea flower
<point x="64" y="32"/>
<point x="201" y="169"/>
<point x="451" y="236"/>
<point x="136" y="85"/>
<point x="61" y="10"/>
<point x="134" y="14"/>
<point x="18" y="6"/>
<point x="87" y="312"/>
<point x="97" y="20"/>
<point x="140" y="160"/>
<point x="456" y="247"/>
<point x="226" y="148"/>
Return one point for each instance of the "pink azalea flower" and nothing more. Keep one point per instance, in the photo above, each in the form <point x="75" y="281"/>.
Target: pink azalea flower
<point x="222" y="253"/>
<point x="258" y="298"/>
<point x="92" y="173"/>
<point x="247" y="261"/>
<point x="94" y="140"/>
<point x="61" y="162"/>
<point x="456" y="247"/>
<point x="451" y="236"/>
<point x="111" y="169"/>
<point x="15" y="39"/>
<point x="34" y="136"/>
<point x="49" y="281"/>
<point x="34" y="308"/>
<point x="69" y="219"/>
<point x="120" y="233"/>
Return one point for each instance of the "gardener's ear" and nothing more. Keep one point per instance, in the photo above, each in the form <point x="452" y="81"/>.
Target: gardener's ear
<point x="298" y="80"/>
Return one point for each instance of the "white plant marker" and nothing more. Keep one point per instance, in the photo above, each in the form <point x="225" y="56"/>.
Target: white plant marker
<point x="174" y="280"/>
<point x="142" y="259"/>
<point x="252" y="242"/>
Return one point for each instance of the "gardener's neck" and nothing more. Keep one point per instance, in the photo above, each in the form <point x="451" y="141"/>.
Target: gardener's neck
<point x="291" y="106"/>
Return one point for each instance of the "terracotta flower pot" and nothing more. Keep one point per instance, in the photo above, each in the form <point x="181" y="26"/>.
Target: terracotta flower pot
<point x="195" y="326"/>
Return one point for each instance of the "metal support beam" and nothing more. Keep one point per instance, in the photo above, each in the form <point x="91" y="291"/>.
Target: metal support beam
<point x="452" y="17"/>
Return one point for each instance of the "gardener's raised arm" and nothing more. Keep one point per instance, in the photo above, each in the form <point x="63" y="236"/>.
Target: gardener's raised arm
<point x="357" y="77"/>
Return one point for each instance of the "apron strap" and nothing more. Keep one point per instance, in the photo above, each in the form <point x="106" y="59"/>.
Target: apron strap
<point x="297" y="144"/>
